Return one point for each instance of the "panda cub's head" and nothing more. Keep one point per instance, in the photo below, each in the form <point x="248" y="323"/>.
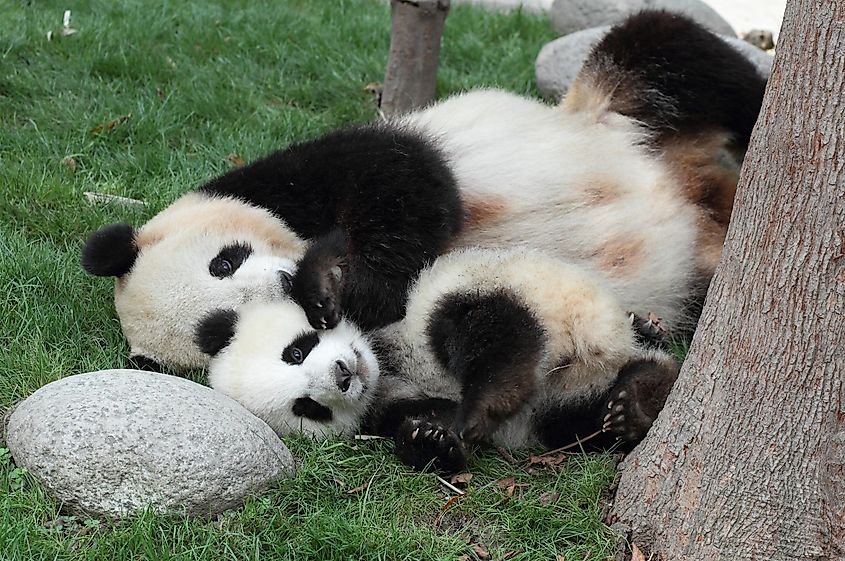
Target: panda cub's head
<point x="269" y="358"/>
<point x="200" y="253"/>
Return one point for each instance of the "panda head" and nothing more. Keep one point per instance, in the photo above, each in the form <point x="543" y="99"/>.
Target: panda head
<point x="199" y="254"/>
<point x="297" y="379"/>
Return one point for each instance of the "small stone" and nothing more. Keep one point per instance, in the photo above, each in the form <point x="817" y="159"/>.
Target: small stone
<point x="760" y="38"/>
<point x="560" y="61"/>
<point x="113" y="442"/>
<point x="568" y="16"/>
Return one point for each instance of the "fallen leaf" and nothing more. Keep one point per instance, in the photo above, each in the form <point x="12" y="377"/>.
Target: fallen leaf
<point x="549" y="497"/>
<point x="552" y="461"/>
<point x="70" y="163"/>
<point x="460" y="479"/>
<point x="636" y="554"/>
<point x="236" y="160"/>
<point x="506" y="482"/>
<point x="110" y="125"/>
<point x="340" y="482"/>
<point x="480" y="551"/>
<point x="451" y="501"/>
<point x="509" y="555"/>
<point x="463" y="557"/>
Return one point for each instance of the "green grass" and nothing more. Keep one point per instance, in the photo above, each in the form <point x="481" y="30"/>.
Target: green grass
<point x="187" y="85"/>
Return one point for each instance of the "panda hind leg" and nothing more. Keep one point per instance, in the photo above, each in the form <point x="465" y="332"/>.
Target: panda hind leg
<point x="492" y="344"/>
<point x="638" y="396"/>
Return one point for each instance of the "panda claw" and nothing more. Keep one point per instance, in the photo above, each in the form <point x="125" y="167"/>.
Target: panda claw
<point x="606" y="418"/>
<point x="415" y="433"/>
<point x="622" y="395"/>
<point x="610" y="404"/>
<point x="319" y="304"/>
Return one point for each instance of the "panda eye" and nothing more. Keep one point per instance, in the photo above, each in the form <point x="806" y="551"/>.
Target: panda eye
<point x="227" y="261"/>
<point x="296" y="352"/>
<point x="296" y="355"/>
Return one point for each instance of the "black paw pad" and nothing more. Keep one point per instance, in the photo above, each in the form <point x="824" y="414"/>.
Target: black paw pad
<point x="424" y="444"/>
<point x="625" y="418"/>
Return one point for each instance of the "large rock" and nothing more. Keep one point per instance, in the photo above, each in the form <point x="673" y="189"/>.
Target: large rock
<point x="569" y="16"/>
<point x="559" y="61"/>
<point x="110" y="443"/>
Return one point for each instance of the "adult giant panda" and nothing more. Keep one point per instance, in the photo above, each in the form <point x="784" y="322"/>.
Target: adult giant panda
<point x="515" y="348"/>
<point x="632" y="176"/>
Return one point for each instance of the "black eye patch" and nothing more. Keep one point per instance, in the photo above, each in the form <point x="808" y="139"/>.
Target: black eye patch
<point x="229" y="259"/>
<point x="296" y="352"/>
<point x="310" y="409"/>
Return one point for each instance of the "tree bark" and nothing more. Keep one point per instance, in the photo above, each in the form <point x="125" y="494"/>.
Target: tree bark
<point x="411" y="77"/>
<point x="747" y="459"/>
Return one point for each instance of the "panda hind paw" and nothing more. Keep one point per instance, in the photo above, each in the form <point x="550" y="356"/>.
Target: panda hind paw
<point x="424" y="444"/>
<point x="625" y="418"/>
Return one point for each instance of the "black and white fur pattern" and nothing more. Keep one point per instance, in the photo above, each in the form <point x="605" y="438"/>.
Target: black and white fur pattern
<point x="631" y="177"/>
<point x="512" y="348"/>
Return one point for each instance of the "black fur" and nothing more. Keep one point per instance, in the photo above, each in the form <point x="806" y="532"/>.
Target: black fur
<point x="574" y="421"/>
<point x="318" y="283"/>
<point x="228" y="260"/>
<point x="215" y="331"/>
<point x="624" y="414"/>
<point x="677" y="77"/>
<point x="110" y="251"/>
<point x="141" y="362"/>
<point x="492" y="344"/>
<point x="389" y="191"/>
<point x="310" y="409"/>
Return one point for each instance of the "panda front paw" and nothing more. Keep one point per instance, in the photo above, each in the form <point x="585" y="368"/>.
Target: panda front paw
<point x="426" y="444"/>
<point x="649" y="332"/>
<point x="318" y="287"/>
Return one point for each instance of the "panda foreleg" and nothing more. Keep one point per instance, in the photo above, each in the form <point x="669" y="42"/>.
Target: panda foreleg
<point x="493" y="345"/>
<point x="319" y="280"/>
<point x="638" y="396"/>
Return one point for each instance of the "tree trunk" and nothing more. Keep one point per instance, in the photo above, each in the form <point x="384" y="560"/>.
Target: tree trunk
<point x="747" y="460"/>
<point x="411" y="78"/>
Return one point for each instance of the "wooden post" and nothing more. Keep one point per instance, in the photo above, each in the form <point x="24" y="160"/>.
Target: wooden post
<point x="411" y="77"/>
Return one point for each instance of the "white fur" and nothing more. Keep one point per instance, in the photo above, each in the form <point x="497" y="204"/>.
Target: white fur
<point x="544" y="165"/>
<point x="251" y="370"/>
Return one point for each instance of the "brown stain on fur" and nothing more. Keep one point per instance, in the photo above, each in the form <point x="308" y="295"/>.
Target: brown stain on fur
<point x="480" y="211"/>
<point x="600" y="193"/>
<point x="621" y="256"/>
<point x="707" y="169"/>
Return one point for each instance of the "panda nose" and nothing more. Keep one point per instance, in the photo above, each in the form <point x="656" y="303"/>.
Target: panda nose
<point x="342" y="375"/>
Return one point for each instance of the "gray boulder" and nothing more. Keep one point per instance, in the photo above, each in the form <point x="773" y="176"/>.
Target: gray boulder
<point x="559" y="61"/>
<point x="569" y="16"/>
<point x="113" y="442"/>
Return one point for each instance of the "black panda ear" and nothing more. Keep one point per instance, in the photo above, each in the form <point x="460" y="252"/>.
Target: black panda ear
<point x="215" y="331"/>
<point x="110" y="251"/>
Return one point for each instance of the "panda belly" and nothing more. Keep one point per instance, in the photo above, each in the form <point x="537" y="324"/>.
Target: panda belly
<point x="579" y="190"/>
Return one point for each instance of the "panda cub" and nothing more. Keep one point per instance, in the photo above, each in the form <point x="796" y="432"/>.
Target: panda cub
<point x="511" y="348"/>
<point x="632" y="176"/>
